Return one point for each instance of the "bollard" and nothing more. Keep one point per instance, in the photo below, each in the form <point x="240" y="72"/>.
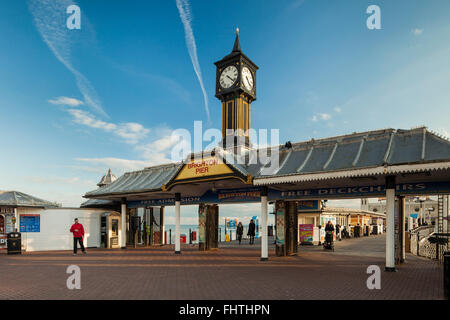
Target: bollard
<point x="447" y="275"/>
<point x="170" y="236"/>
<point x="220" y="234"/>
<point x="190" y="236"/>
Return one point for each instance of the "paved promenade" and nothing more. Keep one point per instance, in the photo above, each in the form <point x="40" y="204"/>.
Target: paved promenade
<point x="232" y="272"/>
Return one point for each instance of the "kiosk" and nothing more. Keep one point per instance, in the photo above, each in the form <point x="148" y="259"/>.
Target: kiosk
<point x="109" y="230"/>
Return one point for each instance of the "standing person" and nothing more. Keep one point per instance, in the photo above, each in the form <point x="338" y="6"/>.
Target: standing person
<point x="338" y="231"/>
<point x="251" y="231"/>
<point x="239" y="231"/>
<point x="78" y="235"/>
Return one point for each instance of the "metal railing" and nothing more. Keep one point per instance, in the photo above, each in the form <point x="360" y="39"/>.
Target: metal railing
<point x="425" y="242"/>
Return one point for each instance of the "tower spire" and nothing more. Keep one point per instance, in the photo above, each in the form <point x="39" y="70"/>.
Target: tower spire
<point x="237" y="45"/>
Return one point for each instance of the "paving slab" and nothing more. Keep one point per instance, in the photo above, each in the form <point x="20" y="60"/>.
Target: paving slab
<point x="232" y="272"/>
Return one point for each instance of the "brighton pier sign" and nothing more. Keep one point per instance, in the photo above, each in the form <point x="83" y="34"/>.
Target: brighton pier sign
<point x="253" y="194"/>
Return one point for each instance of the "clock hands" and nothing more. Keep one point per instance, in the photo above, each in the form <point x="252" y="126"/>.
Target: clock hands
<point x="230" y="78"/>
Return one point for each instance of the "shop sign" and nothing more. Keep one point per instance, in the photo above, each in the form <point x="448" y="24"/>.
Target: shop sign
<point x="6" y="210"/>
<point x="308" y="205"/>
<point x="199" y="168"/>
<point x="362" y="191"/>
<point x="239" y="195"/>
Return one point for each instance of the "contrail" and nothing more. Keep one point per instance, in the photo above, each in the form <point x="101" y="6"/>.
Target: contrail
<point x="50" y="20"/>
<point x="186" y="18"/>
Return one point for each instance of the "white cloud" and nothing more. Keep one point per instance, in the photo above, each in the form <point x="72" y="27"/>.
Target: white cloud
<point x="131" y="132"/>
<point x="66" y="101"/>
<point x="337" y="110"/>
<point x="63" y="180"/>
<point x="116" y="164"/>
<point x="186" y="18"/>
<point x="87" y="119"/>
<point x="417" y="31"/>
<point x="321" y="116"/>
<point x="50" y="17"/>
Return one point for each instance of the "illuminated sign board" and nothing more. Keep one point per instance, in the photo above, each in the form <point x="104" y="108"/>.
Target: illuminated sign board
<point x="199" y="168"/>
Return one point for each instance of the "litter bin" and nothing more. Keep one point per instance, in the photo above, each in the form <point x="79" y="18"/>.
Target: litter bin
<point x="447" y="275"/>
<point x="14" y="245"/>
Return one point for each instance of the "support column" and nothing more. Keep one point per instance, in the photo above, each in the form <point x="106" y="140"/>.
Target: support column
<point x="123" y="224"/>
<point x="401" y="236"/>
<point x="280" y="223"/>
<point x="177" y="223"/>
<point x="16" y="225"/>
<point x="390" y="224"/>
<point x="291" y="227"/>
<point x="161" y="223"/>
<point x="264" y="240"/>
<point x="202" y="227"/>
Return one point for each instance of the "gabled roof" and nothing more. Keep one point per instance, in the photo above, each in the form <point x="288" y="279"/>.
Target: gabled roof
<point x="20" y="199"/>
<point x="358" y="154"/>
<point x="386" y="151"/>
<point x="149" y="179"/>
<point x="99" y="203"/>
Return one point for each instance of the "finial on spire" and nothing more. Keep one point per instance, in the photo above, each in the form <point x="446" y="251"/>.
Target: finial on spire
<point x="237" y="45"/>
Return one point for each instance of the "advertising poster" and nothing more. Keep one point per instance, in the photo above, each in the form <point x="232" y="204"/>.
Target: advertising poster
<point x="280" y="227"/>
<point x="30" y="223"/>
<point x="2" y="241"/>
<point x="306" y="233"/>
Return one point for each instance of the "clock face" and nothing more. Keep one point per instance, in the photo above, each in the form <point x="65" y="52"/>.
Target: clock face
<point x="247" y="78"/>
<point x="228" y="77"/>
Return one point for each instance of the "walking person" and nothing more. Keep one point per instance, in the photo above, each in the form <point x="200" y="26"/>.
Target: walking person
<point x="239" y="231"/>
<point x="251" y="231"/>
<point x="78" y="235"/>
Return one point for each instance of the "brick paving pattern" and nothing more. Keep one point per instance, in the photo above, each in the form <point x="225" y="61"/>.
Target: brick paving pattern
<point x="232" y="272"/>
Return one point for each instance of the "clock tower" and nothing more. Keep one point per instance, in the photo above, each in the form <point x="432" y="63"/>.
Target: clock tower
<point x="236" y="88"/>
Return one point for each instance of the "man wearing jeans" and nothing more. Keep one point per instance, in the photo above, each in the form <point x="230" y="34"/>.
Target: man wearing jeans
<point x="78" y="234"/>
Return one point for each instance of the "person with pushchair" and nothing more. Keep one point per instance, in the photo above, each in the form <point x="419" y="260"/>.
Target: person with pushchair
<point x="329" y="230"/>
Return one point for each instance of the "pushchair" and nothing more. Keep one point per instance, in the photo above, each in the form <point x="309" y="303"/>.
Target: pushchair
<point x="329" y="243"/>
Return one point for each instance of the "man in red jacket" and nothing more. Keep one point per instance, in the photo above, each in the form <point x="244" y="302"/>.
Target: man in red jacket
<point x="78" y="234"/>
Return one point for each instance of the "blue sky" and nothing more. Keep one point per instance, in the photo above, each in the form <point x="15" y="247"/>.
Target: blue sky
<point x="77" y="102"/>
